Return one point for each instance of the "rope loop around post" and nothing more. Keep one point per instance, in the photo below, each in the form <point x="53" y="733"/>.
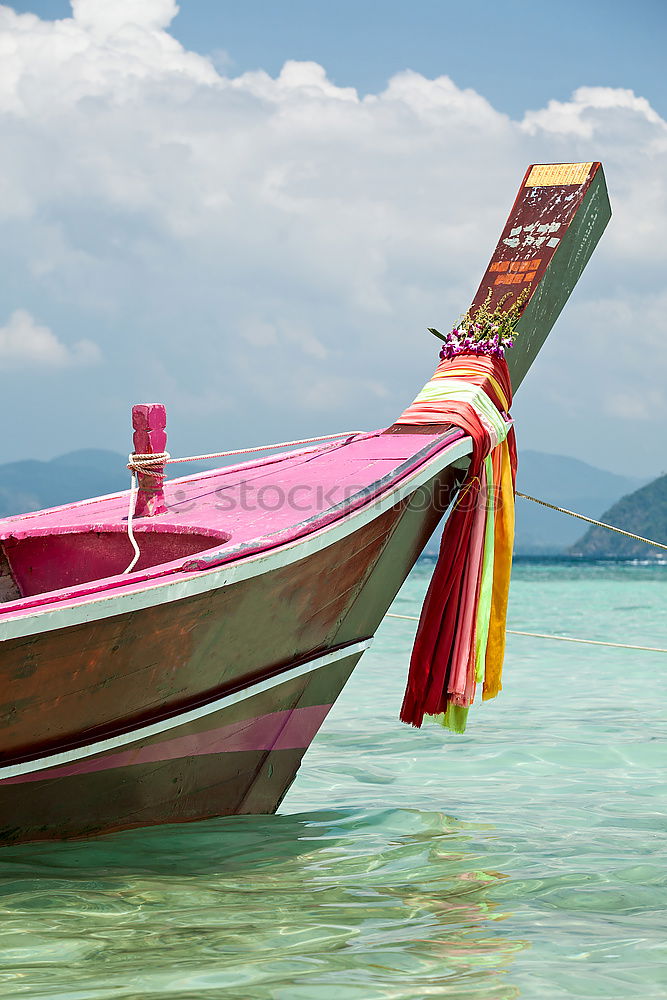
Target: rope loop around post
<point x="143" y="464"/>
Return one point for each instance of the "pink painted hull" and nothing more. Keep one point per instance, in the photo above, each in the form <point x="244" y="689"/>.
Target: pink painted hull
<point x="235" y="759"/>
<point x="192" y="686"/>
<point x="80" y="703"/>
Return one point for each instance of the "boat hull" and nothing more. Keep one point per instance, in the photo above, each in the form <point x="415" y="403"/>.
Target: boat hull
<point x="192" y="687"/>
<point x="238" y="754"/>
<point x="69" y="692"/>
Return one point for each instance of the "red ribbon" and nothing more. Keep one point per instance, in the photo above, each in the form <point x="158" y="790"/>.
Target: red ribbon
<point x="444" y="614"/>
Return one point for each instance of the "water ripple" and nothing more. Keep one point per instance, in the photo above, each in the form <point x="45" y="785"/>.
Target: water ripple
<point x="524" y="859"/>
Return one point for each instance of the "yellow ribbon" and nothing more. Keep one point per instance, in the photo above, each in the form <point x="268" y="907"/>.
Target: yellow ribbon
<point x="502" y="567"/>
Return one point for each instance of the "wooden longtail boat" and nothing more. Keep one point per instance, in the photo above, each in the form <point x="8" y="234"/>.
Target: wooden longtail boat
<point x="192" y="686"/>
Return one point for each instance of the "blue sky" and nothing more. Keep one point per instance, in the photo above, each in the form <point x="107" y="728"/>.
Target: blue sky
<point x="252" y="211"/>
<point x="517" y="53"/>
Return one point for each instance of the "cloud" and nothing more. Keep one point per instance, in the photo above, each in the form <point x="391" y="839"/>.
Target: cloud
<point x="589" y="110"/>
<point x="24" y="343"/>
<point x="105" y="18"/>
<point x="281" y="244"/>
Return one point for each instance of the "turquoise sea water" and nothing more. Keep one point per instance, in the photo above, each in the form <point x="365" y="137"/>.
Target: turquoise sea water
<point x="526" y="858"/>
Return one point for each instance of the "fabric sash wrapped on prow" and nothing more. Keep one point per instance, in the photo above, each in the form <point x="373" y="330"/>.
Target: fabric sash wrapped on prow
<point x="553" y="227"/>
<point x="460" y="640"/>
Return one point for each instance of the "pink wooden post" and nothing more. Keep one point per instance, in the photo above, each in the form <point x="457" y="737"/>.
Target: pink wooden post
<point x="149" y="421"/>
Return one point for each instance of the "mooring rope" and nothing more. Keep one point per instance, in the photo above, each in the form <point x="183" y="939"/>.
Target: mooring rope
<point x="591" y="520"/>
<point x="130" y="518"/>
<point x="144" y="465"/>
<point x="560" y="638"/>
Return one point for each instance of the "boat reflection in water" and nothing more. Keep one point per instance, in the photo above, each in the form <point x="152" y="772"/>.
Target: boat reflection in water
<point x="371" y="903"/>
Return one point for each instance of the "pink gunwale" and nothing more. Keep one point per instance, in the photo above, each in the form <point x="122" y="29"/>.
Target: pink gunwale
<point x="357" y="464"/>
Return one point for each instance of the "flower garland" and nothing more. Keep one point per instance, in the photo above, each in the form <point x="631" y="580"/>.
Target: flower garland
<point x="486" y="331"/>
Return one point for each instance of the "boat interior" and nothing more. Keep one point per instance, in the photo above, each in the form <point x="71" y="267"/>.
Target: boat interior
<point x="39" y="563"/>
<point x="226" y="514"/>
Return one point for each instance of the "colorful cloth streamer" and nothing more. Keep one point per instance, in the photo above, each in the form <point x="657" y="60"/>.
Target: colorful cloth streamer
<point x="460" y="640"/>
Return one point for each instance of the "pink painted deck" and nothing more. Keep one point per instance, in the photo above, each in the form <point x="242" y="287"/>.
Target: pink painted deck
<point x="69" y="553"/>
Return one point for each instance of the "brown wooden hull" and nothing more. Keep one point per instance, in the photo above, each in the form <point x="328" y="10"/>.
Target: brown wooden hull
<point x="194" y="689"/>
<point x="235" y="758"/>
<point x="71" y="689"/>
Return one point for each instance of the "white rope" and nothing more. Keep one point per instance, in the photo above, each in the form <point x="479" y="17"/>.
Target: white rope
<point x="591" y="520"/>
<point x="164" y="458"/>
<point x="589" y="642"/>
<point x="130" y="518"/>
<point x="262" y="447"/>
<point x="560" y="638"/>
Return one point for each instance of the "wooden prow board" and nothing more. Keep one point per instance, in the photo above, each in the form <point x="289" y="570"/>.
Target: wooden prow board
<point x="558" y="216"/>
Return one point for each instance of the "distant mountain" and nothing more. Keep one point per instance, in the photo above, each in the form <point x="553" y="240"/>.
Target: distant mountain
<point x="643" y="512"/>
<point x="31" y="485"/>
<point x="567" y="482"/>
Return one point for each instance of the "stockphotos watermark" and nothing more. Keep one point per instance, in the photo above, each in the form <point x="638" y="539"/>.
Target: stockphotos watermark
<point x="311" y="498"/>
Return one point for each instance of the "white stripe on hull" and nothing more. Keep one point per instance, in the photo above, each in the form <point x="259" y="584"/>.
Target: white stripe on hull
<point x="183" y="718"/>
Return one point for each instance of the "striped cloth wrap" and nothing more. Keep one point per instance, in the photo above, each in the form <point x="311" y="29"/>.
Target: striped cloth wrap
<point x="460" y="640"/>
